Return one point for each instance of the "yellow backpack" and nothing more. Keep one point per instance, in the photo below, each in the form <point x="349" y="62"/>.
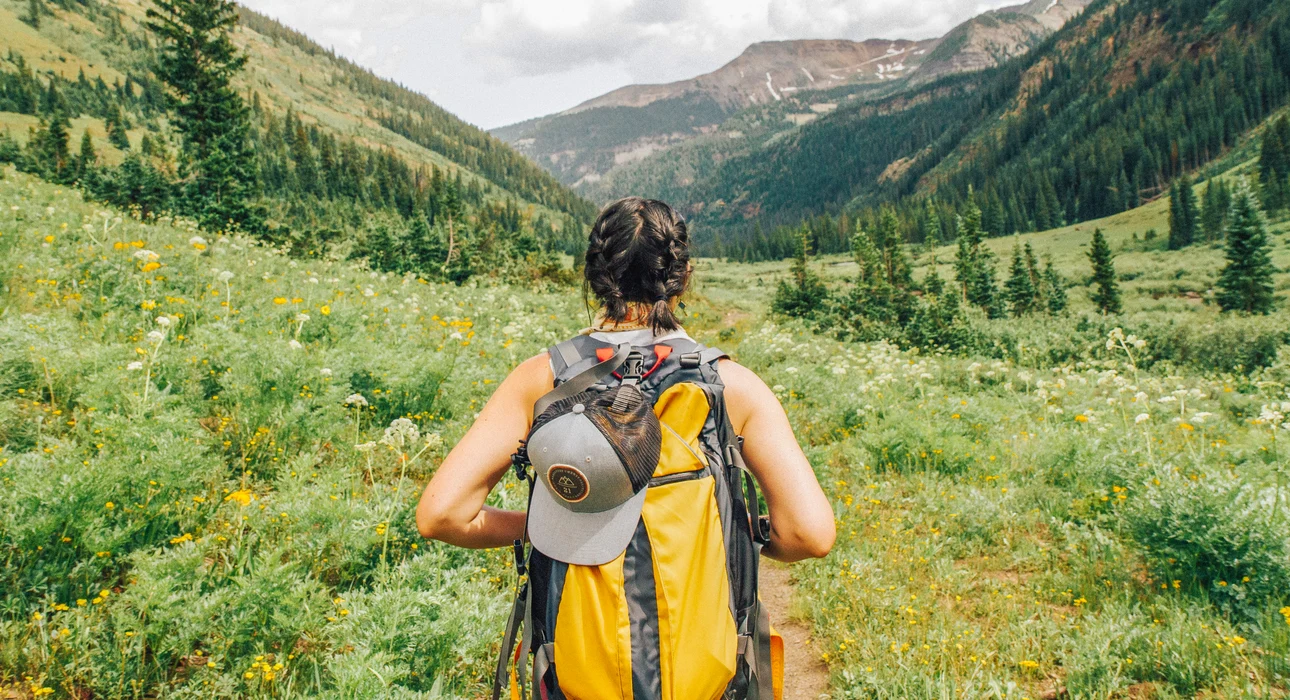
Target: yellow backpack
<point x="676" y="616"/>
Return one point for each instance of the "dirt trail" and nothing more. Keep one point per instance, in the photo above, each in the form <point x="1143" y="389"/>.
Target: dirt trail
<point x="805" y="676"/>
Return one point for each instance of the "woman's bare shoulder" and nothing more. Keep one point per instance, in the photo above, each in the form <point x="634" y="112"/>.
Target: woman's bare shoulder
<point x="745" y="392"/>
<point x="529" y="380"/>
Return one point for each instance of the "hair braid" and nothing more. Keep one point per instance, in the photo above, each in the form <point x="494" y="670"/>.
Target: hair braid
<point x="638" y="252"/>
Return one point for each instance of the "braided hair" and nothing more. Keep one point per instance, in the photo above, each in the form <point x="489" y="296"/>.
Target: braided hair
<point x="638" y="252"/>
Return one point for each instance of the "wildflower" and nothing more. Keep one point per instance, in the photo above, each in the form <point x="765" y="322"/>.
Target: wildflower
<point x="1081" y="418"/>
<point x="325" y="310"/>
<point x="145" y="255"/>
<point x="242" y="497"/>
<point x="325" y="371"/>
<point x="365" y="447"/>
<point x="134" y="366"/>
<point x="295" y="344"/>
<point x="164" y="321"/>
<point x="225" y="276"/>
<point x="1285" y="612"/>
<point x="302" y="317"/>
<point x="401" y="432"/>
<point x="155" y="337"/>
<point x="356" y="400"/>
<point x="279" y="300"/>
<point x="1142" y="418"/>
<point x="109" y="505"/>
<point x="197" y="242"/>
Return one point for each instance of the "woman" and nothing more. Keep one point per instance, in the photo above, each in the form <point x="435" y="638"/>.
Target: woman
<point x="637" y="267"/>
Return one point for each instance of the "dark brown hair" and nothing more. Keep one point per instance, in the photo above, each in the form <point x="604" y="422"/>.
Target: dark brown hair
<point x="638" y="251"/>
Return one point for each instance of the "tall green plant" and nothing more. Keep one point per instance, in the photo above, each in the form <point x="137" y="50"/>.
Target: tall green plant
<point x="1245" y="284"/>
<point x="198" y="61"/>
<point x="1106" y="293"/>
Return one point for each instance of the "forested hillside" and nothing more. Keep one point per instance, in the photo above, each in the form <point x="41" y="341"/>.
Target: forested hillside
<point x="344" y="161"/>
<point x="1106" y="113"/>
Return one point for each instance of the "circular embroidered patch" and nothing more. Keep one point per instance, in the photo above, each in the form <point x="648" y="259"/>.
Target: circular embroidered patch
<point x="567" y="482"/>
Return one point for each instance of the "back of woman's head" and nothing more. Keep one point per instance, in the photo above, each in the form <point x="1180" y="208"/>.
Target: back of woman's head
<point x="639" y="253"/>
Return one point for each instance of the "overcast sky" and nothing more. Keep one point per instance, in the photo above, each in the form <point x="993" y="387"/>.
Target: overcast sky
<point x="496" y="62"/>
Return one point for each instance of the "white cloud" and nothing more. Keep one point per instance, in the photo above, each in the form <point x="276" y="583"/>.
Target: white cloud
<point x="495" y="61"/>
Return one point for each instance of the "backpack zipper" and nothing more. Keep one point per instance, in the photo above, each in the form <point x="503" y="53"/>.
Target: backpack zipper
<point x="678" y="478"/>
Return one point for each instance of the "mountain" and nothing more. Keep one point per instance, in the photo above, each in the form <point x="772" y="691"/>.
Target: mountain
<point x="1102" y="115"/>
<point x="336" y="144"/>
<point x="785" y="84"/>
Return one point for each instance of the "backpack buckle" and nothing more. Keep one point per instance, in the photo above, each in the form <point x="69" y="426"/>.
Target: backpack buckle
<point x="691" y="360"/>
<point x="520" y="463"/>
<point x="634" y="367"/>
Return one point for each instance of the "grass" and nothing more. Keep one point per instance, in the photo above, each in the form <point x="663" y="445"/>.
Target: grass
<point x="188" y="515"/>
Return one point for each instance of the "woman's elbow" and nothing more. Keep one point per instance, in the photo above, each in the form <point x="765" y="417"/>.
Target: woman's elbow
<point x="432" y="523"/>
<point x="818" y="542"/>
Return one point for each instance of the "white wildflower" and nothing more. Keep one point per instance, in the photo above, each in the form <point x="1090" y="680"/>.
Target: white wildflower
<point x="365" y="447"/>
<point x="295" y="344"/>
<point x="325" y="371"/>
<point x="356" y="400"/>
<point x="196" y="240"/>
<point x="302" y="317"/>
<point x="401" y="432"/>
<point x="225" y="276"/>
<point x="134" y="366"/>
<point x="156" y="337"/>
<point x="1142" y="418"/>
<point x="146" y="255"/>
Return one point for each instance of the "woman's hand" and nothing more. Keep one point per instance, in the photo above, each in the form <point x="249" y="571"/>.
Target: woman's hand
<point x="801" y="518"/>
<point x="452" y="507"/>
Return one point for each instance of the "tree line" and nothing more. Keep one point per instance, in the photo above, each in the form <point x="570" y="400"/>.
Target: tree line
<point x="884" y="302"/>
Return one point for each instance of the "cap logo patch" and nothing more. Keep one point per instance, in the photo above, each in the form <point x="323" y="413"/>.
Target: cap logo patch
<point x="568" y="483"/>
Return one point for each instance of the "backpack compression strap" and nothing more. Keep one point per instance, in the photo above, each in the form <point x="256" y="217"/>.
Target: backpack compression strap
<point x="584" y="380"/>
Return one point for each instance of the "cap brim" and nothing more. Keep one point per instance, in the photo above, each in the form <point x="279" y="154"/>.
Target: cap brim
<point x="585" y="539"/>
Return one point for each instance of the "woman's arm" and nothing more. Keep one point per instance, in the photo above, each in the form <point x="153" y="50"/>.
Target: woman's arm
<point x="801" y="518"/>
<point x="452" y="507"/>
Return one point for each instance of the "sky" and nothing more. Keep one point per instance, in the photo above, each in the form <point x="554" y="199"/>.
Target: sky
<point x="497" y="62"/>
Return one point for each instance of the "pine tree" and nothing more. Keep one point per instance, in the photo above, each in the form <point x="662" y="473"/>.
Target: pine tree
<point x="868" y="259"/>
<point x="116" y="129"/>
<point x="890" y="243"/>
<point x="1107" y="293"/>
<point x="1019" y="287"/>
<point x="1245" y="284"/>
<point x="806" y="294"/>
<point x="1215" y="205"/>
<point x="1054" y="288"/>
<point x="198" y="60"/>
<point x="1274" y="164"/>
<point x="87" y="157"/>
<point x="931" y="223"/>
<point x="974" y="264"/>
<point x="1183" y="217"/>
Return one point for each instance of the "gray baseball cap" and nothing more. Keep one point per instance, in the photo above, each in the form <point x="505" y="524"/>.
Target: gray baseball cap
<point x="593" y="456"/>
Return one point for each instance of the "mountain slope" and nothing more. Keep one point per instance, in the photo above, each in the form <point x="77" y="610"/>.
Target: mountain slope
<point x="1102" y="115"/>
<point x="292" y="81"/>
<point x="783" y="83"/>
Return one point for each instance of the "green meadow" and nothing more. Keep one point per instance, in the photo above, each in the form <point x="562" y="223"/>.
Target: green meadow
<point x="205" y="495"/>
